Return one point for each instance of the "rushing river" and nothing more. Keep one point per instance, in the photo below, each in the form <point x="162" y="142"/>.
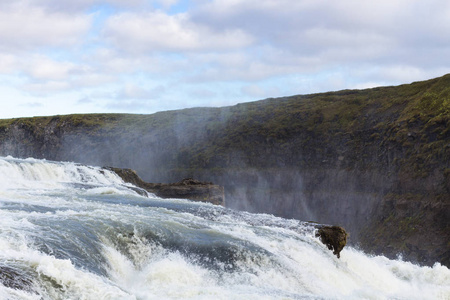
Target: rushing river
<point x="69" y="231"/>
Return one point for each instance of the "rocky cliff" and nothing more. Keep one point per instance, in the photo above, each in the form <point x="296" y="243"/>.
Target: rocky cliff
<point x="376" y="161"/>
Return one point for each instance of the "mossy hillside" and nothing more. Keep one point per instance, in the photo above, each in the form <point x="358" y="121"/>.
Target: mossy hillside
<point x="408" y="124"/>
<point x="385" y="128"/>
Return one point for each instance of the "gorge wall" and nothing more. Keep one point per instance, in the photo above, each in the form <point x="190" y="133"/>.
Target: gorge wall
<point x="375" y="161"/>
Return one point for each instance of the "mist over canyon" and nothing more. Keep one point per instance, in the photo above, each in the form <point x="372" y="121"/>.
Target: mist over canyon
<point x="376" y="161"/>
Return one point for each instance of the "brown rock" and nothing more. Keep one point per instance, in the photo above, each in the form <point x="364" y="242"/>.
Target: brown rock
<point x="334" y="237"/>
<point x="187" y="188"/>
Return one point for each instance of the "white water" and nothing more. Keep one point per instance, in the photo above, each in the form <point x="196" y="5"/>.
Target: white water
<point x="75" y="232"/>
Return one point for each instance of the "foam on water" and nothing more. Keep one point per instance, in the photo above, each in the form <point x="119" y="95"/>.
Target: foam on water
<point x="41" y="174"/>
<point x="76" y="232"/>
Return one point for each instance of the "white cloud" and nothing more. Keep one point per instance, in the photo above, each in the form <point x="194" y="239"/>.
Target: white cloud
<point x="345" y="30"/>
<point x="259" y="92"/>
<point x="41" y="75"/>
<point x="8" y="62"/>
<point x="202" y="93"/>
<point x="85" y="100"/>
<point x="44" y="68"/>
<point x="259" y="64"/>
<point x="157" y="31"/>
<point x="132" y="106"/>
<point x="144" y="55"/>
<point x="133" y="91"/>
<point x="44" y="88"/>
<point x="33" y="104"/>
<point x="77" y="6"/>
<point x="92" y="78"/>
<point x="28" y="27"/>
<point x="113" y="61"/>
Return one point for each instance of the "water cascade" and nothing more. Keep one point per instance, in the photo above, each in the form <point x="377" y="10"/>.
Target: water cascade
<point x="69" y="231"/>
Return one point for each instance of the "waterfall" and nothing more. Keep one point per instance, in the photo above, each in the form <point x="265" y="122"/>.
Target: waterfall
<point x="69" y="231"/>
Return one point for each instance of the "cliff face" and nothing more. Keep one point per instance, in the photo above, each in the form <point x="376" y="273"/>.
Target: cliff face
<point x="375" y="161"/>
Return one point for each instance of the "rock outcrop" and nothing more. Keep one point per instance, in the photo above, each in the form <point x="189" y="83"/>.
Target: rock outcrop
<point x="334" y="237"/>
<point x="185" y="189"/>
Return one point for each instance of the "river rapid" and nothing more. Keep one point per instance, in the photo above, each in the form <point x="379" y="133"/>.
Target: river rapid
<point x="69" y="231"/>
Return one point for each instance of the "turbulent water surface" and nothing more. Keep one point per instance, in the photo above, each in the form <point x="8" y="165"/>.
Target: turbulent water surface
<point x="69" y="231"/>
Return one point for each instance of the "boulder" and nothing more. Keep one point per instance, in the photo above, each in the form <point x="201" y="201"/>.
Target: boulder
<point x="334" y="237"/>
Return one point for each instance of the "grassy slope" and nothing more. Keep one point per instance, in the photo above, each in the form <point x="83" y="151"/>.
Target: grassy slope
<point x="413" y="117"/>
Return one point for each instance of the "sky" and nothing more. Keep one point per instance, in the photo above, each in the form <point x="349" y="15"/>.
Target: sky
<point x="144" y="56"/>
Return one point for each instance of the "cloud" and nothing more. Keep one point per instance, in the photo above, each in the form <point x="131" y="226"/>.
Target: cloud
<point x="200" y="93"/>
<point x="257" y="91"/>
<point x="43" y="68"/>
<point x="142" y="33"/>
<point x="32" y="104"/>
<point x="256" y="40"/>
<point x="41" y="75"/>
<point x="113" y="61"/>
<point x="78" y="6"/>
<point x="250" y="66"/>
<point x="85" y="100"/>
<point x="8" y="62"/>
<point x="131" y="106"/>
<point x="132" y="91"/>
<point x="45" y="88"/>
<point x="335" y="31"/>
<point x="149" y="55"/>
<point x="28" y="27"/>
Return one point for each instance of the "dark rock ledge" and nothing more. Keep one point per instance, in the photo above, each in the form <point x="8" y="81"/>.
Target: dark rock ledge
<point x="185" y="189"/>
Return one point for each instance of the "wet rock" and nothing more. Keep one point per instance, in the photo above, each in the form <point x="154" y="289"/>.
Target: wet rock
<point x="187" y="188"/>
<point x="334" y="237"/>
